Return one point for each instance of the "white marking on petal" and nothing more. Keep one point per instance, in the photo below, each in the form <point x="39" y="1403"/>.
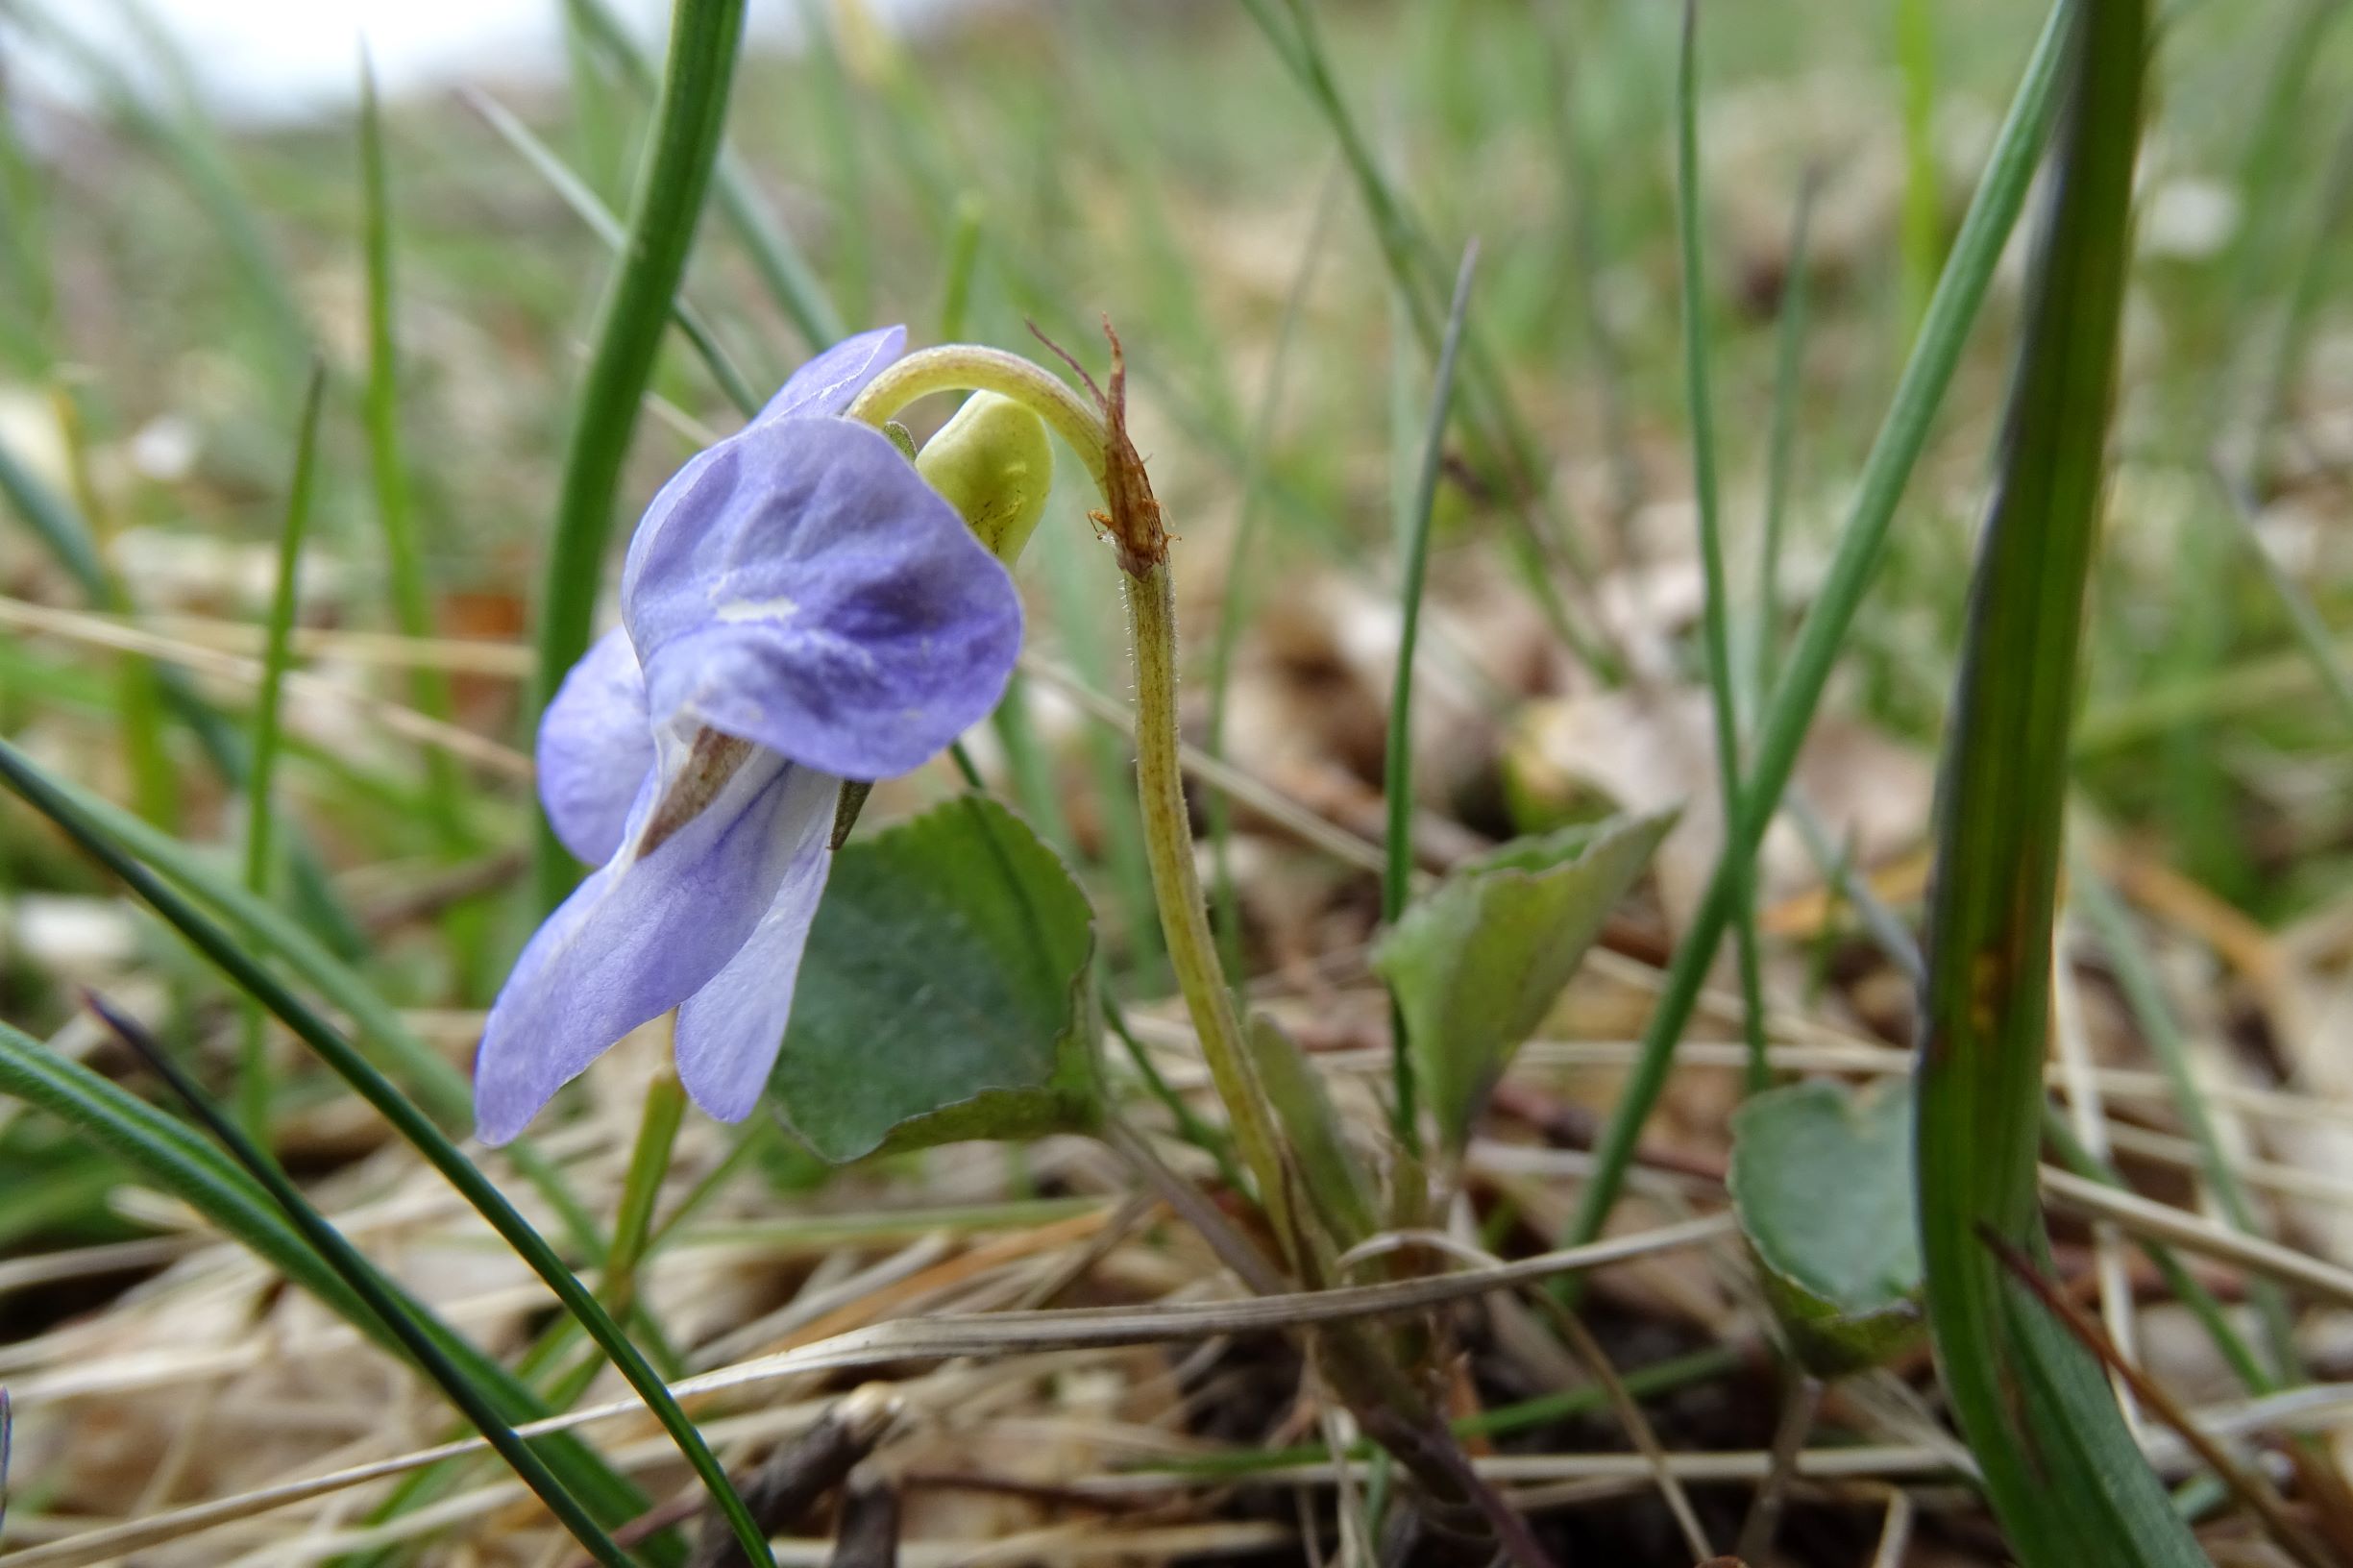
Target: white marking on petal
<point x="755" y="609"/>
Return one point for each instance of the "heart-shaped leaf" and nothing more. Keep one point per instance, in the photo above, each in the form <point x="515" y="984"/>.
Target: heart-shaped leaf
<point x="1822" y="1181"/>
<point x="947" y="993"/>
<point x="1477" y="964"/>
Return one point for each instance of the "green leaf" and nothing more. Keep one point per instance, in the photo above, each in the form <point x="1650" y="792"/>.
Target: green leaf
<point x="947" y="993"/>
<point x="1477" y="964"/>
<point x="1822" y="1181"/>
<point x="1333" y="1179"/>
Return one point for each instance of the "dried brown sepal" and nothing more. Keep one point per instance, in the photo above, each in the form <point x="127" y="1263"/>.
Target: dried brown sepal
<point x="1130" y="514"/>
<point x="712" y="760"/>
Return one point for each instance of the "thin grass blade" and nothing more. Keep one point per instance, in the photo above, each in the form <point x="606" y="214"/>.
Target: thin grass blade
<point x="166" y="1156"/>
<point x="590" y="209"/>
<point x="689" y="116"/>
<point x="33" y="786"/>
<point x="1788" y="375"/>
<point x="429" y="687"/>
<point x="67" y="536"/>
<point x="1903" y="433"/>
<point x="337" y="1254"/>
<point x="1397" y="766"/>
<point x="786" y="272"/>
<point x="253" y="1072"/>
<point x="2144" y="997"/>
<point x="1716" y="620"/>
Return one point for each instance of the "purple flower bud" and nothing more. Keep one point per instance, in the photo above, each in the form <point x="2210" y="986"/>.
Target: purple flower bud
<point x="797" y="607"/>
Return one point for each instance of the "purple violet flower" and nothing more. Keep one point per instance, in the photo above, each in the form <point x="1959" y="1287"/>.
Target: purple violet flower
<point x="797" y="607"/>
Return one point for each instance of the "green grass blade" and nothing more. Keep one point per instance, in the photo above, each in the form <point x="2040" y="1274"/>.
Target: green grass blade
<point x="337" y="1254"/>
<point x="781" y="266"/>
<point x="253" y="1072"/>
<point x="428" y="688"/>
<point x="166" y="1156"/>
<point x="2316" y="271"/>
<point x="2144" y="996"/>
<point x="67" y="537"/>
<point x="2312" y="633"/>
<point x="688" y="119"/>
<point x="1716" y="619"/>
<point x="601" y="116"/>
<point x="1397" y="765"/>
<point x="827" y="77"/>
<point x="154" y="785"/>
<point x="1904" y="432"/>
<point x="2282" y="113"/>
<point x="1915" y="60"/>
<point x="1418" y="274"/>
<point x="274" y="933"/>
<point x="1788" y="378"/>
<point x="28" y="276"/>
<point x="962" y="262"/>
<point x="1233" y="607"/>
<point x="590" y="209"/>
<point x="2180" y="1284"/>
<point x="186" y="143"/>
<point x="2059" y="1466"/>
<point x="33" y="786"/>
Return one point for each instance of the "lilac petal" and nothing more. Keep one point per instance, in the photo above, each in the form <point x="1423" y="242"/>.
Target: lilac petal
<point x="826" y="383"/>
<point x="645" y="933"/>
<point x="731" y="1030"/>
<point x="800" y="586"/>
<point x="596" y="748"/>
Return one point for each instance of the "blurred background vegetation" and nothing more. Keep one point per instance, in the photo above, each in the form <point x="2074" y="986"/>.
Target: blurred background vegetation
<point x="170" y="267"/>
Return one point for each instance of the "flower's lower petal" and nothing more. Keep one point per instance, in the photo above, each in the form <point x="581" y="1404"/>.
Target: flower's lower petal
<point x="808" y="591"/>
<point x="596" y="748"/>
<point x="728" y="1031"/>
<point x="638" y="937"/>
<point x="827" y="383"/>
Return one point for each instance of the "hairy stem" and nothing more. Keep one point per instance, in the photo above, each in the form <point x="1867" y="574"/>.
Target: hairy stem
<point x="1176" y="885"/>
<point x="1467" y="1519"/>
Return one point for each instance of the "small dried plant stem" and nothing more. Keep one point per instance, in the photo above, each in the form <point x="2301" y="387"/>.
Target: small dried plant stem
<point x="1764" y="1521"/>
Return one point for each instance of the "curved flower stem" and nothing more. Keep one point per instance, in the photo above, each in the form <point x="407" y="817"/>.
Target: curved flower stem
<point x="1468" y="1520"/>
<point x="969" y="367"/>
<point x="1093" y="433"/>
